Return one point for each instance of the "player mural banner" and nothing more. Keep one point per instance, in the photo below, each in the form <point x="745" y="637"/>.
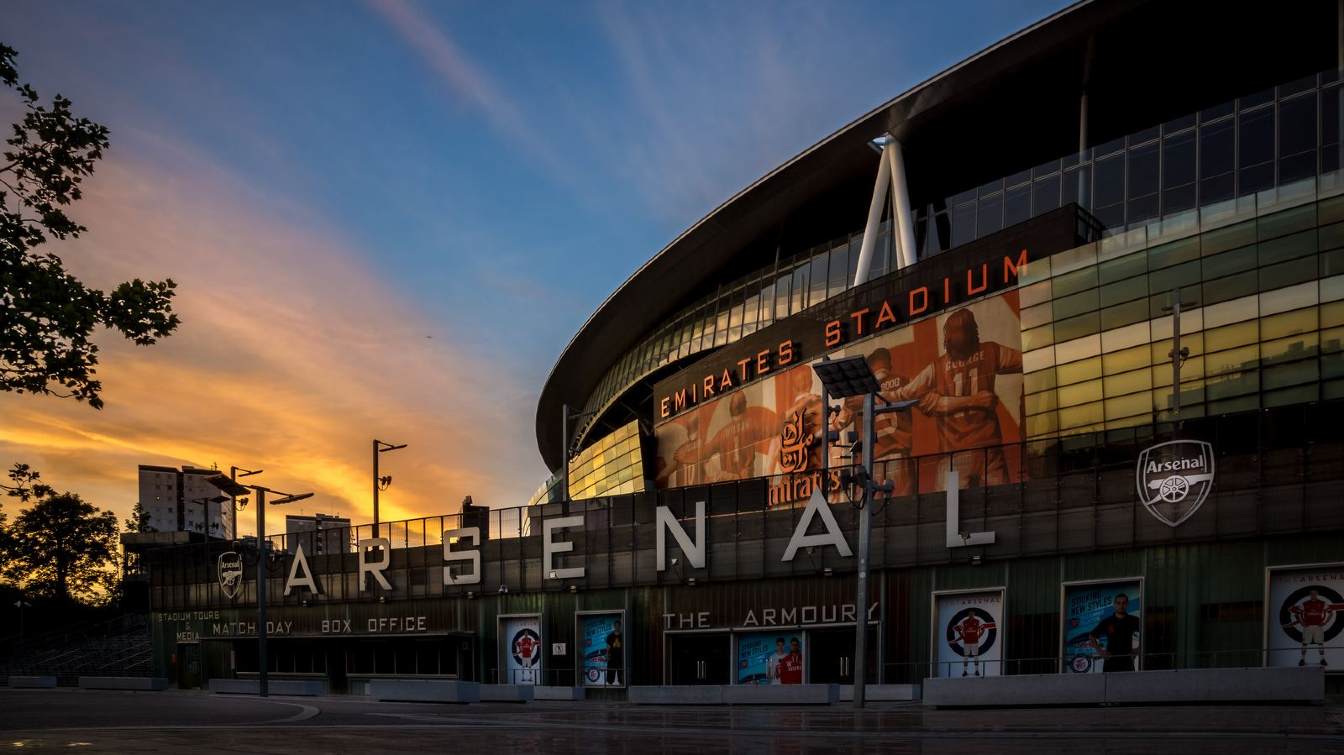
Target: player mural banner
<point x="968" y="632"/>
<point x="1103" y="626"/>
<point x="1304" y="616"/>
<point x="770" y="658"/>
<point x="963" y="367"/>
<point x="603" y="646"/>
<point x="520" y="639"/>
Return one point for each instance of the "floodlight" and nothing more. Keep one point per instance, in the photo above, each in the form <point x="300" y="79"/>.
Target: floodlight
<point x="227" y="485"/>
<point x="844" y="378"/>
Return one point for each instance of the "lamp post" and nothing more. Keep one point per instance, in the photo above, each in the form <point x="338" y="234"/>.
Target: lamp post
<point x="205" y="505"/>
<point x="263" y="556"/>
<point x="1178" y="353"/>
<point x="846" y="378"/>
<point x="21" y="604"/>
<point x="380" y="482"/>
<point x="234" y="474"/>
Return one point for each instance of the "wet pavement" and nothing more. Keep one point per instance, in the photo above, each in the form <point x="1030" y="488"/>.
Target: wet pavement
<point x="203" y="722"/>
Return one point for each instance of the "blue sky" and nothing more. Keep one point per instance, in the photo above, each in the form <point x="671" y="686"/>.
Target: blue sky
<point x="481" y="173"/>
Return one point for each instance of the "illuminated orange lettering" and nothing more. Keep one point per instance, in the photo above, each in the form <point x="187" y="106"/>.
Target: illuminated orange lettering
<point x="726" y="381"/>
<point x="884" y="315"/>
<point x="923" y="292"/>
<point x="763" y="362"/>
<point x="680" y="400"/>
<point x="971" y="289"/>
<point x="857" y="317"/>
<point x="947" y="290"/>
<point x="663" y="411"/>
<point x="742" y="368"/>
<point x="1014" y="269"/>
<point x="833" y="334"/>
<point x="785" y="353"/>
<point x="709" y="386"/>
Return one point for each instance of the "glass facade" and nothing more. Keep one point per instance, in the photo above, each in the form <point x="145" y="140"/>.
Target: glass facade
<point x="1282" y="142"/>
<point x="1263" y="320"/>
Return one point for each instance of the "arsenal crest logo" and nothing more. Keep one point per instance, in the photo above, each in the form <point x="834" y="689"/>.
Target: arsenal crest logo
<point x="230" y="573"/>
<point x="1174" y="478"/>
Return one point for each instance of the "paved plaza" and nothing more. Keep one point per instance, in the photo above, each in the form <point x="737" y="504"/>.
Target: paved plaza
<point x="204" y="722"/>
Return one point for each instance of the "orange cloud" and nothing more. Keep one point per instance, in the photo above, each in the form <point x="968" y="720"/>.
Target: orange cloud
<point x="292" y="355"/>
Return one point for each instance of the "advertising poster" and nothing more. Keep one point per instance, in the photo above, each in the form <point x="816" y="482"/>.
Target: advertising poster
<point x="1103" y="626"/>
<point x="521" y="640"/>
<point x="968" y="633"/>
<point x="602" y="639"/>
<point x="1304" y="614"/>
<point x="770" y="658"/>
<point x="964" y="367"/>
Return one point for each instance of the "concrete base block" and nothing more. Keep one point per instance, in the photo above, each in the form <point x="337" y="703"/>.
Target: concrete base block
<point x="1218" y="685"/>
<point x="1251" y="685"/>
<point x="677" y="695"/>
<point x="425" y="690"/>
<point x="543" y="692"/>
<point x="134" y="683"/>
<point x="882" y="693"/>
<point x="292" y="687"/>
<point x="32" y="682"/>
<point x="1033" y="689"/>
<point x="782" y="694"/>
<point x="506" y="693"/>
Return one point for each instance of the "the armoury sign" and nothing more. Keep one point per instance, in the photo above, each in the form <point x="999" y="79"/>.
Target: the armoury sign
<point x="1174" y="479"/>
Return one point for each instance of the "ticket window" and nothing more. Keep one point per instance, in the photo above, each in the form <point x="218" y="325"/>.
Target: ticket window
<point x="699" y="658"/>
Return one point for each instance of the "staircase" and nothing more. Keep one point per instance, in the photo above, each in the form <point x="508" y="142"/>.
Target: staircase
<point x="120" y="647"/>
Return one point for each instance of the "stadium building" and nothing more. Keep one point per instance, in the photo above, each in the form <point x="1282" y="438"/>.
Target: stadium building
<point x="1103" y="259"/>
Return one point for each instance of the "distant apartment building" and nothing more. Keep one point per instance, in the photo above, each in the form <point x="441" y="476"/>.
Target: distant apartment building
<point x="319" y="533"/>
<point x="178" y="500"/>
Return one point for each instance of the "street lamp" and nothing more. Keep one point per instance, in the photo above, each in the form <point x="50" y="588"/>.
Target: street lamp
<point x="234" y="474"/>
<point x="21" y="604"/>
<point x="380" y="482"/>
<point x="205" y="504"/>
<point x="847" y="378"/>
<point x="263" y="556"/>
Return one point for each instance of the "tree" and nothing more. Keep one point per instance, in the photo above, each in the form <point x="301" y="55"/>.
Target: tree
<point x="138" y="521"/>
<point x="47" y="316"/>
<point x="64" y="548"/>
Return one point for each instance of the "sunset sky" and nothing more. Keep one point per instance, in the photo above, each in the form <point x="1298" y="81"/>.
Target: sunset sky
<point x="387" y="218"/>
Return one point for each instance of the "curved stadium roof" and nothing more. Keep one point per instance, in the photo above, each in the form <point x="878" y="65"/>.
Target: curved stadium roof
<point x="1005" y="108"/>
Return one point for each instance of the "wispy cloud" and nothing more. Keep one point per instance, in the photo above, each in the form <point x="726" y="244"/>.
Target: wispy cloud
<point x="292" y="355"/>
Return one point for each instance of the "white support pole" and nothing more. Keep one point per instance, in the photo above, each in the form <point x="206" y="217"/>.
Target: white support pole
<point x="874" y="219"/>
<point x="904" y="227"/>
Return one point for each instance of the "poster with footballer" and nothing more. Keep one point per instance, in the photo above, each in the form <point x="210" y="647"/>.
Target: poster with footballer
<point x="520" y="646"/>
<point x="968" y="632"/>
<point x="1304" y="616"/>
<point x="603" y="648"/>
<point x="1102" y="625"/>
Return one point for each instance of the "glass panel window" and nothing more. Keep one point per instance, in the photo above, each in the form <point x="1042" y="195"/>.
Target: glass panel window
<point x="839" y="266"/>
<point x="1045" y="194"/>
<point x="1142" y="183"/>
<point x="963" y="224"/>
<point x="782" y="296"/>
<point x="1297" y="139"/>
<point x="1017" y="205"/>
<point x="1178" y="172"/>
<point x="799" y="300"/>
<point x="1216" y="161"/>
<point x="991" y="215"/>
<point x="1109" y="185"/>
<point x="1255" y="151"/>
<point x="820" y="279"/>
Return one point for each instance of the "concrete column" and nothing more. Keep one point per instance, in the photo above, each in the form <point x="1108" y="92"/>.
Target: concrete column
<point x="865" y="265"/>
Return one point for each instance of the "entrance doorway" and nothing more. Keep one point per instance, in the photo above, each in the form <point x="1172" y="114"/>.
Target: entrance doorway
<point x="831" y="656"/>
<point x="188" y="665"/>
<point x="699" y="658"/>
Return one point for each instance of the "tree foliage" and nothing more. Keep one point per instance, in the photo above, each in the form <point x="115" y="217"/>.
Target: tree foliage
<point x="47" y="316"/>
<point x="63" y="548"/>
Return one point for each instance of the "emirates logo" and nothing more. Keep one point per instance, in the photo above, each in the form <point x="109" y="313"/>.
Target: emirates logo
<point x="794" y="442"/>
